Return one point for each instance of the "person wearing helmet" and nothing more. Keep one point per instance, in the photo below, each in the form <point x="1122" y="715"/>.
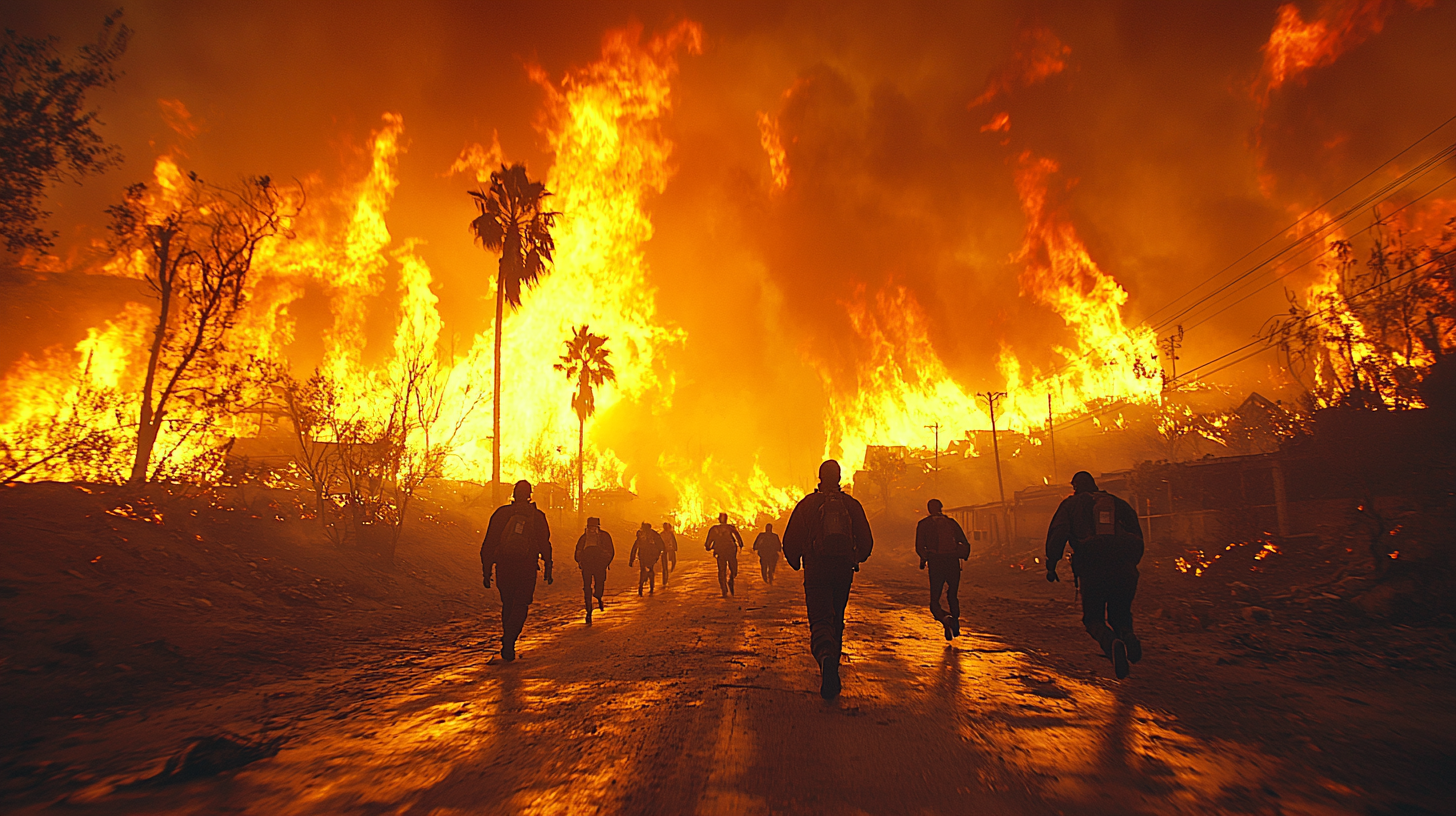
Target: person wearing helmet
<point x="594" y="553"/>
<point x="517" y="541"/>
<point x="669" y="550"/>
<point x="829" y="536"/>
<point x="646" y="550"/>
<point x="942" y="546"/>
<point x="1107" y="544"/>
<point x="724" y="542"/>
<point x="768" y="547"/>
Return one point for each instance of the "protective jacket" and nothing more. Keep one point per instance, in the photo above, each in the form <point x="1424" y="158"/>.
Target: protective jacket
<point x="804" y="526"/>
<point x="648" y="547"/>
<point x="504" y="544"/>
<point x="1075" y="523"/>
<point x="724" y="541"/>
<point x="768" y="545"/>
<point x="595" y="550"/>
<point x="940" y="536"/>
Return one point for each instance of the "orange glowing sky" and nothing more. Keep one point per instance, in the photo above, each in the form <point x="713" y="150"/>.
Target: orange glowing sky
<point x="1163" y="143"/>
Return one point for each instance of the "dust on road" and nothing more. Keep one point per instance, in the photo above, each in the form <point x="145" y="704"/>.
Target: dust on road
<point x="685" y="703"/>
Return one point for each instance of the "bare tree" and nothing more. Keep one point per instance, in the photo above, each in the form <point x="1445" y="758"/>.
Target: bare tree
<point x="308" y="406"/>
<point x="198" y="245"/>
<point x="1391" y="316"/>
<point x="79" y="441"/>
<point x="365" y="465"/>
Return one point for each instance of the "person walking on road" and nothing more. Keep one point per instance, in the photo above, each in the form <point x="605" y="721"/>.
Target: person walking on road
<point x="725" y="542"/>
<point x="669" y="551"/>
<point x="1107" y="544"/>
<point x="942" y="546"/>
<point x="646" y="551"/>
<point x="768" y="547"/>
<point x="829" y="536"/>
<point x="594" y="553"/>
<point x="516" y="541"/>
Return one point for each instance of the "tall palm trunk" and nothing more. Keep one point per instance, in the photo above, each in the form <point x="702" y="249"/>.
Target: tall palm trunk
<point x="495" y="455"/>
<point x="580" y="454"/>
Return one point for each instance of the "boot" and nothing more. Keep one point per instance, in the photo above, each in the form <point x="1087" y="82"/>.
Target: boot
<point x="949" y="623"/>
<point x="829" y="677"/>
<point x="1119" y="659"/>
<point x="1134" y="646"/>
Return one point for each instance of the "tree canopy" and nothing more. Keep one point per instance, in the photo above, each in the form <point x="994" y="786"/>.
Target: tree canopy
<point x="47" y="132"/>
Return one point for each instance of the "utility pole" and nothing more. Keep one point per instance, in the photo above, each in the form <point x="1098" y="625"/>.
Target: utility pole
<point x="936" y="428"/>
<point x="990" y="397"/>
<point x="1051" y="438"/>
<point x="1170" y="346"/>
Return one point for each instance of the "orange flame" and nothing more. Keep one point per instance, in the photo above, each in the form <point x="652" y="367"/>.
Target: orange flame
<point x="1296" y="46"/>
<point x="1039" y="54"/>
<point x="778" y="162"/>
<point x="1110" y="360"/>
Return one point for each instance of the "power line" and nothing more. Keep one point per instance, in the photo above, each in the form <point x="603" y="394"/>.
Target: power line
<point x="1205" y="318"/>
<point x="1384" y="193"/>
<point x="1387" y="190"/>
<point x="1304" y="217"/>
<point x="1262" y="343"/>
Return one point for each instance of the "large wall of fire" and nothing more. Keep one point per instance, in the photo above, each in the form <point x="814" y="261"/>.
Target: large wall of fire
<point x="804" y="230"/>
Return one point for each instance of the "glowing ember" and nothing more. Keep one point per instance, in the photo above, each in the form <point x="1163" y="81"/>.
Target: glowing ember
<point x="139" y="510"/>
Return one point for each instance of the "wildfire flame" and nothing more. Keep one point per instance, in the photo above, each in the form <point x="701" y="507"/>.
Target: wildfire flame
<point x="1295" y="46"/>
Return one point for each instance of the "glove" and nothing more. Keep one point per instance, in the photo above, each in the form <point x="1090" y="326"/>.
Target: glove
<point x="1052" y="576"/>
<point x="922" y="563"/>
<point x="793" y="562"/>
<point x="548" y="574"/>
<point x="487" y="582"/>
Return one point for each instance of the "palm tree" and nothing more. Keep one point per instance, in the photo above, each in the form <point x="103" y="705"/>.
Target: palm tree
<point x="585" y="361"/>
<point x="513" y="222"/>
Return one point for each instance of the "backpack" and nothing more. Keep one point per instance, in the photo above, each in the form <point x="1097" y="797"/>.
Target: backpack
<point x="1104" y="513"/>
<point x="592" y="540"/>
<point x="721" y="537"/>
<point x="516" y="542"/>
<point x="836" y="529"/>
<point x="649" y="545"/>
<point x="1106" y="544"/>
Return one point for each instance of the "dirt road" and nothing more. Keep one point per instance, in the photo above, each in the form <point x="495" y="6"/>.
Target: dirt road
<point x="686" y="703"/>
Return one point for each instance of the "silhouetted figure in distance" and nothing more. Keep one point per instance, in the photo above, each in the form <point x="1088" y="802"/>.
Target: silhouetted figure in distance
<point x="646" y="551"/>
<point x="768" y="547"/>
<point x="594" y="553"/>
<point x="941" y="544"/>
<point x="669" y="550"/>
<point x="1107" y="544"/>
<point x="724" y="542"/>
<point x="829" y="535"/>
<point x="516" y="541"/>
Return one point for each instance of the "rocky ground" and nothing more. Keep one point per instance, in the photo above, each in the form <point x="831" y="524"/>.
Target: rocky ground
<point x="306" y="680"/>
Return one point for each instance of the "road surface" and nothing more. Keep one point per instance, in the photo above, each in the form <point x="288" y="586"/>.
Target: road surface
<point x="686" y="703"/>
